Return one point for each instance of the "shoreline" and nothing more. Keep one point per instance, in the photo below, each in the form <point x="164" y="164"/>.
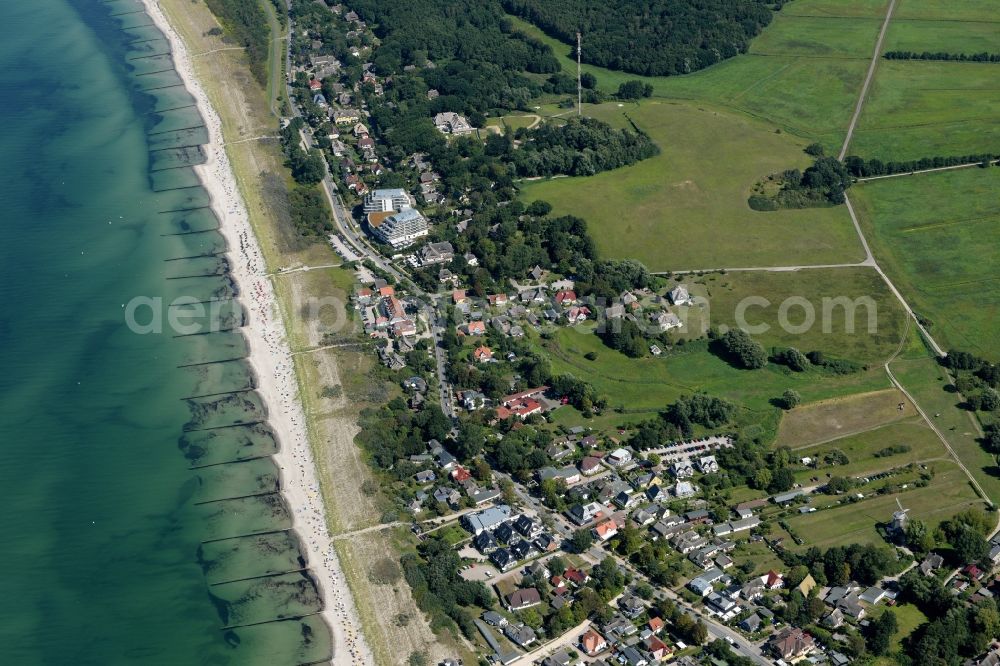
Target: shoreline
<point x="271" y="361"/>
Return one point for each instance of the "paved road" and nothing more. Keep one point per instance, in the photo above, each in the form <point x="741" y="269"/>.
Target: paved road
<point x="868" y="80"/>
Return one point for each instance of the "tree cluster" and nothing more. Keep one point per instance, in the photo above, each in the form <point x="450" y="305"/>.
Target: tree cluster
<point x="651" y="37"/>
<point x="983" y="56"/>
<point x="438" y="589"/>
<point x="742" y="350"/>
<point x="678" y="420"/>
<point x="862" y="168"/>
<point x="866" y="564"/>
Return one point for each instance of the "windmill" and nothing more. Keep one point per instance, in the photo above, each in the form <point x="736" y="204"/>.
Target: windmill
<point x="898" y="523"/>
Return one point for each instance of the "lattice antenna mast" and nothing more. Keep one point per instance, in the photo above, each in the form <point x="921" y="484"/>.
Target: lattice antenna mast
<point x="579" y="79"/>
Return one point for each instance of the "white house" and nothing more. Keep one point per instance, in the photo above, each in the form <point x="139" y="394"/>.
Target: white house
<point x="619" y="457"/>
<point x="387" y="200"/>
<point x="452" y="123"/>
<point x="401" y="229"/>
<point x="679" y="295"/>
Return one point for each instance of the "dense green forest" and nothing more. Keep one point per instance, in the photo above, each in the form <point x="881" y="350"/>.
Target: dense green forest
<point x="651" y="37"/>
<point x="472" y="53"/>
<point x="581" y="147"/>
<point x="247" y="24"/>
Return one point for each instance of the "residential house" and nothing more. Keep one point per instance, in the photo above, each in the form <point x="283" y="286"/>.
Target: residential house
<point x="436" y="253"/>
<point x="425" y="476"/>
<point x="565" y="297"/>
<point x="582" y="514"/>
<point x="494" y="619"/>
<point x="605" y="530"/>
<point x="657" y="649"/>
<point x="772" y="580"/>
<point x="666" y="321"/>
<point x="708" y="465"/>
<point x="576" y="576"/>
<point x="833" y="620"/>
<point x="750" y="624"/>
<point x="346" y="116"/>
<point x="523" y="598"/>
<point x="527" y="526"/>
<point x="504" y="532"/>
<point x="522" y="549"/>
<point x="679" y="295"/>
<point x="930" y="564"/>
<point x="485" y="542"/>
<point x="590" y="465"/>
<point x="453" y="123"/>
<point x="487" y="519"/>
<point x="592" y="643"/>
<point x="791" y="643"/>
<point x="483" y="354"/>
<point x="631" y="606"/>
<point x="522" y="635"/>
<point x="684" y="489"/>
<point x="807" y="585"/>
<point x="502" y="559"/>
<point x="632" y="657"/>
<point x="618" y="457"/>
<point x="682" y="469"/>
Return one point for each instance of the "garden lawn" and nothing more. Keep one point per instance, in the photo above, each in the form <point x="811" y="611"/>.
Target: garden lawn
<point x="937" y="236"/>
<point x="686" y="208"/>
<point x="948" y="493"/>
<point x="827" y="420"/>
<point x="923" y="109"/>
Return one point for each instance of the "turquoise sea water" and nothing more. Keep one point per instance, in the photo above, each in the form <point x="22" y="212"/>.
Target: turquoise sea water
<point x="118" y="464"/>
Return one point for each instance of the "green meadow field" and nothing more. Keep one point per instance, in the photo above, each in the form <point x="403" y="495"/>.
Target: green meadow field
<point x="949" y="36"/>
<point x="873" y="9"/>
<point x="948" y="493"/>
<point x="938" y="238"/>
<point x="952" y="10"/>
<point x="687" y="207"/>
<point x="922" y="109"/>
<point x="802" y="75"/>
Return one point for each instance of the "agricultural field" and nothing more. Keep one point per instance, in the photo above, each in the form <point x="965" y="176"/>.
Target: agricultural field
<point x="670" y="211"/>
<point x="923" y="109"/>
<point x="948" y="493"/>
<point x="937" y="237"/>
<point x="818" y="422"/>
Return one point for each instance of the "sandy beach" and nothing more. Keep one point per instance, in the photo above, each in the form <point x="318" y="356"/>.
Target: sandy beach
<point x="271" y="358"/>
